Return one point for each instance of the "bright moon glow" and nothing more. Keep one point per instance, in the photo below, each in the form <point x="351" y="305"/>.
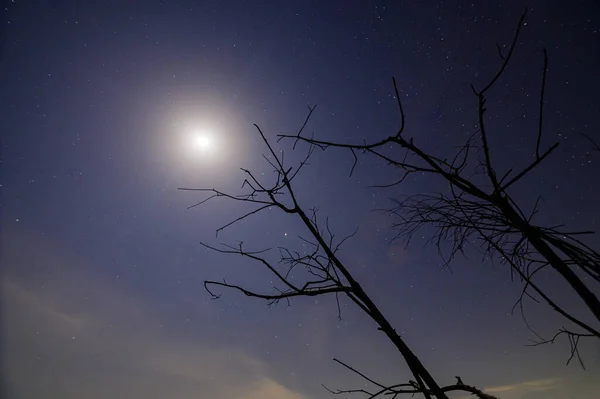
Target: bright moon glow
<point x="203" y="142"/>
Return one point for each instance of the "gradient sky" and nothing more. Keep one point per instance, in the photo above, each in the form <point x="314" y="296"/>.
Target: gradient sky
<point x="102" y="267"/>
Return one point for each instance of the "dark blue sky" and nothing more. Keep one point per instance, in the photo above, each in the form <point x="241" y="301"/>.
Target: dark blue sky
<point x="102" y="267"/>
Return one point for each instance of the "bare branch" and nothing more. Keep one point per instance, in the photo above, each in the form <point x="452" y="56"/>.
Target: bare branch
<point x="328" y="274"/>
<point x="474" y="215"/>
<point x="573" y="342"/>
<point x="508" y="56"/>
<point x="541" y="113"/>
<point x="410" y="387"/>
<point x="471" y="215"/>
<point x="595" y="145"/>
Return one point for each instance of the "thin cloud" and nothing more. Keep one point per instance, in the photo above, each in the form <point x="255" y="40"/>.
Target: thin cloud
<point x="114" y="348"/>
<point x="268" y="388"/>
<point x="17" y="294"/>
<point x="527" y="386"/>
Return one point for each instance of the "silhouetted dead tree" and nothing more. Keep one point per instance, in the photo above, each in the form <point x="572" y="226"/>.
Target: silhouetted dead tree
<point x="324" y="272"/>
<point x="486" y="213"/>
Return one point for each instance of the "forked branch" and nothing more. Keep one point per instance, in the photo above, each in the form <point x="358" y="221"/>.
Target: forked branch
<point x="324" y="273"/>
<point x="486" y="213"/>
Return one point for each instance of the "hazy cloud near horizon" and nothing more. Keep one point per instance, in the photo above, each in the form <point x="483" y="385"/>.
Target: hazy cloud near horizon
<point x="78" y="335"/>
<point x="95" y="349"/>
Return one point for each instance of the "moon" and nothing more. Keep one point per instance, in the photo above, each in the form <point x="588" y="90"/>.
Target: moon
<point x="203" y="138"/>
<point x="202" y="142"/>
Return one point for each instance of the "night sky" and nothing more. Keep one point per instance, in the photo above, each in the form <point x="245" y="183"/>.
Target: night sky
<point x="101" y="105"/>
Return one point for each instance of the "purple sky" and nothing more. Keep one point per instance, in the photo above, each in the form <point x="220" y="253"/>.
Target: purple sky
<point x="102" y="269"/>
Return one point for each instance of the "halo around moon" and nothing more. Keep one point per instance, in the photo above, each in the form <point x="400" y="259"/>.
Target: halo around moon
<point x="202" y="139"/>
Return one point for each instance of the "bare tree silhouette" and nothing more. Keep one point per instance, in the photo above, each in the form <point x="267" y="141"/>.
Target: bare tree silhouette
<point x="324" y="273"/>
<point x="486" y="212"/>
<point x="468" y="210"/>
